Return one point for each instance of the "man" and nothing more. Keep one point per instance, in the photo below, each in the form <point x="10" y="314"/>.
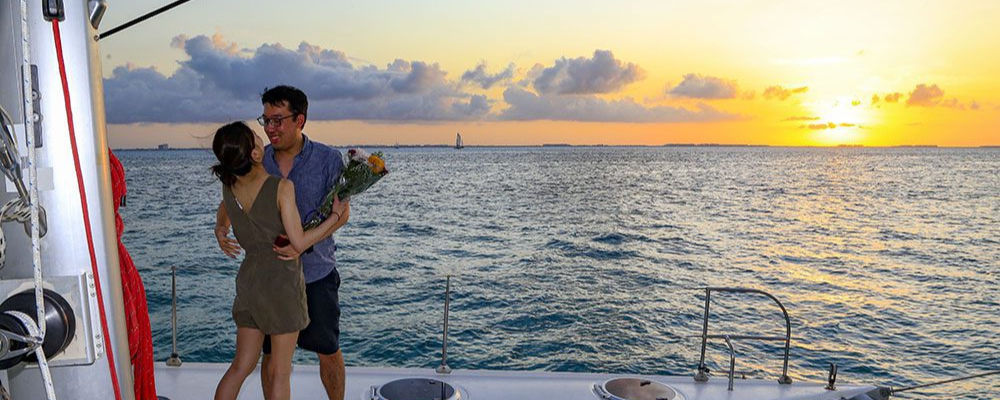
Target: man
<point x="312" y="167"/>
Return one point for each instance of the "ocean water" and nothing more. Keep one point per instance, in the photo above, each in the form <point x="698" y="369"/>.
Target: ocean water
<point x="589" y="259"/>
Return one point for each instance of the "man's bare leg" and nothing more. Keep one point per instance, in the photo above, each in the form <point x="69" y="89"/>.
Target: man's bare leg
<point x="265" y="375"/>
<point x="331" y="372"/>
<point x="282" y="350"/>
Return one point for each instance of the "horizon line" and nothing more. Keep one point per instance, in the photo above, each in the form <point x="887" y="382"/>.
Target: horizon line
<point x="432" y="145"/>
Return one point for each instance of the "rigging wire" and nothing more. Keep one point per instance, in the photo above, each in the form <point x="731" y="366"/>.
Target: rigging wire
<point x="144" y="17"/>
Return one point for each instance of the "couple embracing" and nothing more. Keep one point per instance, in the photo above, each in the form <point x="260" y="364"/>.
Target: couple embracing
<point x="286" y="293"/>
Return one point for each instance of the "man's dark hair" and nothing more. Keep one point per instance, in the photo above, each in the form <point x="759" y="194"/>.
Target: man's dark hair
<point x="284" y="94"/>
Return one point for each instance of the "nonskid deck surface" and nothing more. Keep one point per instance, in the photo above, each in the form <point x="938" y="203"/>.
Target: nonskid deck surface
<point x="198" y="381"/>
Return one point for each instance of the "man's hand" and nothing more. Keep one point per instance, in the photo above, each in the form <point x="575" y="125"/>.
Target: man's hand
<point x="228" y="245"/>
<point x="286" y="253"/>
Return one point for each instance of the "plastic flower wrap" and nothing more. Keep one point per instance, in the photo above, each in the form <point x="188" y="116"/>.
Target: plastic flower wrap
<point x="361" y="171"/>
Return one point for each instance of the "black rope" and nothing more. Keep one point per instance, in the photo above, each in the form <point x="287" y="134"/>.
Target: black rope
<point x="894" y="391"/>
<point x="149" y="15"/>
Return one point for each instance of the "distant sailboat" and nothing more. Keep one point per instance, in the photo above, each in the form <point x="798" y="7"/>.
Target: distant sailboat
<point x="458" y="141"/>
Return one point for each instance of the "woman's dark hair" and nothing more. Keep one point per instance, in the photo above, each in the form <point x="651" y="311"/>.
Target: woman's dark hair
<point x="232" y="145"/>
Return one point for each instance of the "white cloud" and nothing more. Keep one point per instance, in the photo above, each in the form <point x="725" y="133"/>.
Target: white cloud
<point x="933" y="96"/>
<point x="780" y="93"/>
<point x="602" y="73"/>
<point x="925" y="96"/>
<point x="484" y="79"/>
<point x="893" y="97"/>
<point x="705" y="87"/>
<point x="220" y="83"/>
<point x="525" y="105"/>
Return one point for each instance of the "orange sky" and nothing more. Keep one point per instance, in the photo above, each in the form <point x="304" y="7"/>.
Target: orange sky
<point x="583" y="72"/>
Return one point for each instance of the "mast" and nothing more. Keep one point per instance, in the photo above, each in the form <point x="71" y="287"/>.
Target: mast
<point x="83" y="368"/>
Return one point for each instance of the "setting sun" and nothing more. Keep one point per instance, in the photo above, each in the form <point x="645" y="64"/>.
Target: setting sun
<point x="841" y="121"/>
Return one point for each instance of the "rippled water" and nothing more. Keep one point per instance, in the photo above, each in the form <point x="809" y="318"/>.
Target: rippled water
<point x="585" y="259"/>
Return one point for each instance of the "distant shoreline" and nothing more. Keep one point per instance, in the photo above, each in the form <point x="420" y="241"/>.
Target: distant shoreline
<point x="548" y="145"/>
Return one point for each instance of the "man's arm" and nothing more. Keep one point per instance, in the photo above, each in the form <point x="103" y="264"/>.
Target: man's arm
<point x="228" y="245"/>
<point x="289" y="253"/>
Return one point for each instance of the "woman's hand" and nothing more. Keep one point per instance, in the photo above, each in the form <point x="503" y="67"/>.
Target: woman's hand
<point x="338" y="207"/>
<point x="228" y="245"/>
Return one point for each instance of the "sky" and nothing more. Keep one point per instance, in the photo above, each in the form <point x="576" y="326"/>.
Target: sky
<point x="785" y="73"/>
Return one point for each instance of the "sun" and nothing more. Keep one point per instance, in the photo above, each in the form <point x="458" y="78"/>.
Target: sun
<point x="842" y="121"/>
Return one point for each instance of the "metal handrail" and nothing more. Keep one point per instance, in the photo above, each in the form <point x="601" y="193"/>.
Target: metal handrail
<point x="702" y="374"/>
<point x="732" y="362"/>
<point x="444" y="368"/>
<point x="175" y="359"/>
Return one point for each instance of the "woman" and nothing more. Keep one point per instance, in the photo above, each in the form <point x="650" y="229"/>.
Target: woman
<point x="270" y="293"/>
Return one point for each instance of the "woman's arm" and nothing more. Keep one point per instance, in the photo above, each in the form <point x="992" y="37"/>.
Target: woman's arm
<point x="228" y="245"/>
<point x="293" y="223"/>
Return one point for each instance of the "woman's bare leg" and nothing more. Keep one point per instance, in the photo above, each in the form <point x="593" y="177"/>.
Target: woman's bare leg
<point x="280" y="370"/>
<point x="248" y="344"/>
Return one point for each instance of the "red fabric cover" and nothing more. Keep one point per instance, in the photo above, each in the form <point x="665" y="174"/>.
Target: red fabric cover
<point x="140" y="340"/>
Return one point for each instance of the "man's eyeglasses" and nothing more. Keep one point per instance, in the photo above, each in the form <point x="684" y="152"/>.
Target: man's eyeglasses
<point x="276" y="121"/>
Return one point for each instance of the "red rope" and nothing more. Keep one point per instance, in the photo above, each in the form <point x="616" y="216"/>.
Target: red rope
<point x="86" y="213"/>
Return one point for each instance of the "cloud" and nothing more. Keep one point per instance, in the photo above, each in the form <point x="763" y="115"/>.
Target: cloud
<point x="602" y="73"/>
<point x="780" y="93"/>
<point x="892" y="97"/>
<point x="829" y="125"/>
<point x="875" y="99"/>
<point x="219" y="82"/>
<point x="528" y="106"/>
<point x="801" y="118"/>
<point x="933" y="96"/>
<point x="705" y="87"/>
<point x="418" y="76"/>
<point x="222" y="82"/>
<point x="145" y="95"/>
<point x="485" y="80"/>
<point x="855" y="103"/>
<point x="925" y="96"/>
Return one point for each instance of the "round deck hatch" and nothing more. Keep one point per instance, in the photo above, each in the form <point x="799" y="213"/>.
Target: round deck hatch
<point x="635" y="389"/>
<point x="416" y="389"/>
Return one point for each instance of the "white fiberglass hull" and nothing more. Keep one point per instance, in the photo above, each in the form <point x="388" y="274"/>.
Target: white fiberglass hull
<point x="198" y="380"/>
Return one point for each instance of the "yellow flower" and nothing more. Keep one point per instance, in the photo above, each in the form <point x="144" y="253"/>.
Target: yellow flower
<point x="376" y="163"/>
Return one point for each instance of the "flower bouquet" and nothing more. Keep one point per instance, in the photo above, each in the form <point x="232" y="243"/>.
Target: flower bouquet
<point x="360" y="172"/>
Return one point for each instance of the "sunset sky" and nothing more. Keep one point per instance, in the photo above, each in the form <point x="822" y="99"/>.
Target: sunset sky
<point x="580" y="72"/>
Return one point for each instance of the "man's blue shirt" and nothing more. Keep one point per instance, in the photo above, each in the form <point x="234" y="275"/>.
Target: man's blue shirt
<point x="313" y="172"/>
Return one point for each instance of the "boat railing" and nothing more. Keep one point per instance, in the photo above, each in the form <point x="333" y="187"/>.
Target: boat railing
<point x="175" y="359"/>
<point x="444" y="368"/>
<point x="702" y="374"/>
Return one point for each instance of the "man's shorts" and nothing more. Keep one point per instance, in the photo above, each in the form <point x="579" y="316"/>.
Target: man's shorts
<point x="322" y="335"/>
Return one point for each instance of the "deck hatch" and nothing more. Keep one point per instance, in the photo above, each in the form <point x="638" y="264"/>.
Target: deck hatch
<point x="415" y="389"/>
<point x="635" y="389"/>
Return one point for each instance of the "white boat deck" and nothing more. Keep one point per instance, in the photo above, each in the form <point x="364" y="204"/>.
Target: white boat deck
<point x="198" y="381"/>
